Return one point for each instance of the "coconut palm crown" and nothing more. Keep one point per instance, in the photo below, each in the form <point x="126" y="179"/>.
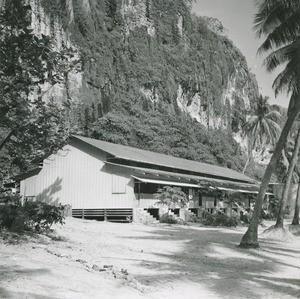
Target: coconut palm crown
<point x="262" y="127"/>
<point x="279" y="21"/>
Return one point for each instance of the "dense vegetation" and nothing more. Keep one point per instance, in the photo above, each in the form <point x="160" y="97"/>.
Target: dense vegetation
<point x="117" y="65"/>
<point x="130" y="81"/>
<point x="175" y="135"/>
<point x="37" y="216"/>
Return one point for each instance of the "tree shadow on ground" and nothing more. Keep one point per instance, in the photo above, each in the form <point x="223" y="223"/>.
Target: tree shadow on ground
<point x="5" y="294"/>
<point x="9" y="273"/>
<point x="211" y="258"/>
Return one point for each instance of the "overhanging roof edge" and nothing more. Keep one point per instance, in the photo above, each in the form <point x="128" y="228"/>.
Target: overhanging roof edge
<point x="194" y="177"/>
<point x="162" y="182"/>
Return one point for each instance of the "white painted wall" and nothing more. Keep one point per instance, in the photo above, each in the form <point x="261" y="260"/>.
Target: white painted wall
<point x="147" y="201"/>
<point x="28" y="186"/>
<point x="79" y="177"/>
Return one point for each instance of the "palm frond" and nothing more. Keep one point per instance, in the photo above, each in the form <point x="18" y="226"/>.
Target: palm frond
<point x="286" y="80"/>
<point x="263" y="127"/>
<point x="278" y="37"/>
<point x="276" y="13"/>
<point x="268" y="17"/>
<point x="274" y="115"/>
<point x="275" y="129"/>
<point x="277" y="57"/>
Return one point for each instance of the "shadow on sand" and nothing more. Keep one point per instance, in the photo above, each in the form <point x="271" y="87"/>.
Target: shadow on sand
<point x="8" y="273"/>
<point x="212" y="258"/>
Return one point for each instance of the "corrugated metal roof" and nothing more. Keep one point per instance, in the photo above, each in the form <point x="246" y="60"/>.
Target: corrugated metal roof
<point x="143" y="156"/>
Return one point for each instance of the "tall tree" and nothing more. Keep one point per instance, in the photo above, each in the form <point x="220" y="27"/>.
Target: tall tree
<point x="286" y="188"/>
<point x="290" y="150"/>
<point x="26" y="63"/>
<point x="279" y="21"/>
<point x="262" y="127"/>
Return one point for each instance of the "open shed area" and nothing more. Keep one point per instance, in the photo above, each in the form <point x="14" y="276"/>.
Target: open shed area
<point x="92" y="259"/>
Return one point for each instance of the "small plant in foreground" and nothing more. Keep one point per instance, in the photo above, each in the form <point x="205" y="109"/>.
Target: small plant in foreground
<point x="166" y="218"/>
<point x="219" y="220"/>
<point x="40" y="216"/>
<point x="33" y="215"/>
<point x="9" y="211"/>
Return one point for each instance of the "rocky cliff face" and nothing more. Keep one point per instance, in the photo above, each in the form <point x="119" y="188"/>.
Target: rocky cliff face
<point x="155" y="55"/>
<point x="45" y="23"/>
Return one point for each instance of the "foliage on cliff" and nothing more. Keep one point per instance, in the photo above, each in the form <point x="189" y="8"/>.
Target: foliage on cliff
<point x="130" y="46"/>
<point x="134" y="57"/>
<point x="169" y="134"/>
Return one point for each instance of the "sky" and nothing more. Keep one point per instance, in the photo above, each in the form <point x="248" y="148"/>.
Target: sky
<point x="237" y="16"/>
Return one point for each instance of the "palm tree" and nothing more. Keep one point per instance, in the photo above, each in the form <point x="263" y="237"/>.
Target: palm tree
<point x="286" y="188"/>
<point x="279" y="21"/>
<point x="262" y="127"/>
<point x="290" y="150"/>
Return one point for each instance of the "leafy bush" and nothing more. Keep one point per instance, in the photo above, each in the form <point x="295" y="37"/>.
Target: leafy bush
<point x="32" y="215"/>
<point x="9" y="210"/>
<point x="191" y="218"/>
<point x="166" y="218"/>
<point x="41" y="216"/>
<point x="219" y="220"/>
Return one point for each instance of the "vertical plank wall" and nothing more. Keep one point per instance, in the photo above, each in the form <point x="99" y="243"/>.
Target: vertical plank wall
<point x="28" y="186"/>
<point x="77" y="175"/>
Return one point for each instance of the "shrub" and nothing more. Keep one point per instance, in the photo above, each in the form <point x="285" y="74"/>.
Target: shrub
<point x="191" y="218"/>
<point x="219" y="220"/>
<point x="41" y="216"/>
<point x="9" y="210"/>
<point x="166" y="218"/>
<point x="32" y="215"/>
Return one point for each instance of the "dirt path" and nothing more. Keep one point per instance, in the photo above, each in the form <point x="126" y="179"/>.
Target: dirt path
<point x="109" y="260"/>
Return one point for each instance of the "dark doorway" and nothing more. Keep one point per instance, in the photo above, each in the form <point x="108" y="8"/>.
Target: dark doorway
<point x="153" y="212"/>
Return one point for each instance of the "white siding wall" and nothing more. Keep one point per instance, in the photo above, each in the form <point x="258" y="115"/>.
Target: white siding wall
<point x="82" y="180"/>
<point x="147" y="201"/>
<point x="28" y="187"/>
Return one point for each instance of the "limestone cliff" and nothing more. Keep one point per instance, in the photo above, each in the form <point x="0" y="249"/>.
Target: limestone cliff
<point x="152" y="54"/>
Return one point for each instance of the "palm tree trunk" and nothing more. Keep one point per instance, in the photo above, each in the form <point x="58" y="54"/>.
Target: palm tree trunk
<point x="250" y="239"/>
<point x="286" y="188"/>
<point x="296" y="214"/>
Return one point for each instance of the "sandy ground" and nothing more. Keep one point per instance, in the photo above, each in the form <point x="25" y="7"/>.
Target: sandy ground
<point x="93" y="259"/>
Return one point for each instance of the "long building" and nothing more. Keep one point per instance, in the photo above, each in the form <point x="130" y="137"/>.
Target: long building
<point x="109" y="181"/>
